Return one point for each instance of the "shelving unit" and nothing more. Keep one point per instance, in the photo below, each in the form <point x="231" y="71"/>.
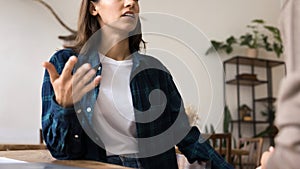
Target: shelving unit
<point x="253" y="63"/>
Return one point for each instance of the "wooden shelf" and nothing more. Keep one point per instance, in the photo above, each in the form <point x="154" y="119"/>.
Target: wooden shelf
<point x="246" y="82"/>
<point x="250" y="122"/>
<point x="267" y="99"/>
<point x="243" y="60"/>
<point x="249" y="79"/>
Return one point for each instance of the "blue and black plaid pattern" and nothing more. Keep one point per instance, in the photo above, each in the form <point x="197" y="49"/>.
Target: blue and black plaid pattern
<point x="124" y="161"/>
<point x="66" y="138"/>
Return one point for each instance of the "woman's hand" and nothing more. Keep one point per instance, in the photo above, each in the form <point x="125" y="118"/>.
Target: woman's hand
<point x="68" y="88"/>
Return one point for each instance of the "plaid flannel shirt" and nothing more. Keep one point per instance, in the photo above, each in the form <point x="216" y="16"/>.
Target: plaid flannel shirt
<point x="67" y="134"/>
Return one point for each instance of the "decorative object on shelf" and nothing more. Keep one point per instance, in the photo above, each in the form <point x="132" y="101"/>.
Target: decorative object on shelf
<point x="245" y="112"/>
<point x="260" y="36"/>
<point x="69" y="39"/>
<point x="252" y="52"/>
<point x="247" y="76"/>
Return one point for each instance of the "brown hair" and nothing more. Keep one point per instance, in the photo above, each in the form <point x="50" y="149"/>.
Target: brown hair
<point x="88" y="25"/>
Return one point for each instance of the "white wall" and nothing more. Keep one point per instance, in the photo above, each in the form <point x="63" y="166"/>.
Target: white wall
<point x="29" y="36"/>
<point x="219" y="19"/>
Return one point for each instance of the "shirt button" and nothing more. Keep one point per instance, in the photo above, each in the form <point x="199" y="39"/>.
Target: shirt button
<point x="76" y="136"/>
<point x="79" y="111"/>
<point x="89" y="109"/>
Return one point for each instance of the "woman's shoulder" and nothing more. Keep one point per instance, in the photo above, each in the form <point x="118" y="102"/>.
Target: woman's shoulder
<point x="62" y="55"/>
<point x="148" y="59"/>
<point x="151" y="61"/>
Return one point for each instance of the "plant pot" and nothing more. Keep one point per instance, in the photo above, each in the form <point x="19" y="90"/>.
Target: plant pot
<point x="252" y="52"/>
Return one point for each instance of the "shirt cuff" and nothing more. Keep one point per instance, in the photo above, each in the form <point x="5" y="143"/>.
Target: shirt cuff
<point x="61" y="111"/>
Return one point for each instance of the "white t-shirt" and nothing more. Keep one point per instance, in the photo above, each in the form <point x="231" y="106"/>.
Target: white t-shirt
<point x="114" y="114"/>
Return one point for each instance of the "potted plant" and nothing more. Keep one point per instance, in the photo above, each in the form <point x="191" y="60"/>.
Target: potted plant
<point x="259" y="35"/>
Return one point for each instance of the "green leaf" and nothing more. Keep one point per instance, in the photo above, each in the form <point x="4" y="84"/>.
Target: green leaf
<point x="212" y="129"/>
<point x="229" y="49"/>
<point x="272" y="29"/>
<point x="231" y="40"/>
<point x="247" y="40"/>
<point x="227" y="119"/>
<point x="278" y="49"/>
<point x="267" y="45"/>
<point x="215" y="45"/>
<point x="263" y="113"/>
<point x="259" y="21"/>
<point x="275" y="31"/>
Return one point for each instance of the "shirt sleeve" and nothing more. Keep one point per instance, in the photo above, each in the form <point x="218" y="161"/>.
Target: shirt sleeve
<point x="192" y="146"/>
<point x="61" y="130"/>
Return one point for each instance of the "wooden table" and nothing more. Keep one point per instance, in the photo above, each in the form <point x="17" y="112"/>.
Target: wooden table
<point x="44" y="156"/>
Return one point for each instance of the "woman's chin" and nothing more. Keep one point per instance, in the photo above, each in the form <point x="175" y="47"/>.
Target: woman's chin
<point x="125" y="25"/>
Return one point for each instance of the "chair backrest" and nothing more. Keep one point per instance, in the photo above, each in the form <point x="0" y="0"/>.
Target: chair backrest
<point x="41" y="136"/>
<point x="222" y="144"/>
<point x="254" y="146"/>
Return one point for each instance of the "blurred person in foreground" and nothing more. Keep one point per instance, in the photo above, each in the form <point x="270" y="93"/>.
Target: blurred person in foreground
<point x="286" y="155"/>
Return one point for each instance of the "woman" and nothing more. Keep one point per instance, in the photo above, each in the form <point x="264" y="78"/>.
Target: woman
<point x="82" y="86"/>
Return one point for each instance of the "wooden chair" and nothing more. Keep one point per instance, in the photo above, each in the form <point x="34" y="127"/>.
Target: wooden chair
<point x="41" y="137"/>
<point x="254" y="147"/>
<point x="222" y="144"/>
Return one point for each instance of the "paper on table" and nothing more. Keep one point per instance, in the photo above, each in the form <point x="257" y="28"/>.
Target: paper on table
<point x="4" y="160"/>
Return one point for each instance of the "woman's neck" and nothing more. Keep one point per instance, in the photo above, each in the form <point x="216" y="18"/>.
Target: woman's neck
<point x="119" y="51"/>
<point x="115" y="46"/>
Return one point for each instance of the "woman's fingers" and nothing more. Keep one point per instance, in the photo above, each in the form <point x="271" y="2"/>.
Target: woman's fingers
<point x="51" y="70"/>
<point x="88" y="87"/>
<point x="87" y="78"/>
<point x="79" y="92"/>
<point x="97" y="80"/>
<point x="84" y="80"/>
<point x="67" y="71"/>
<point x="81" y="73"/>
